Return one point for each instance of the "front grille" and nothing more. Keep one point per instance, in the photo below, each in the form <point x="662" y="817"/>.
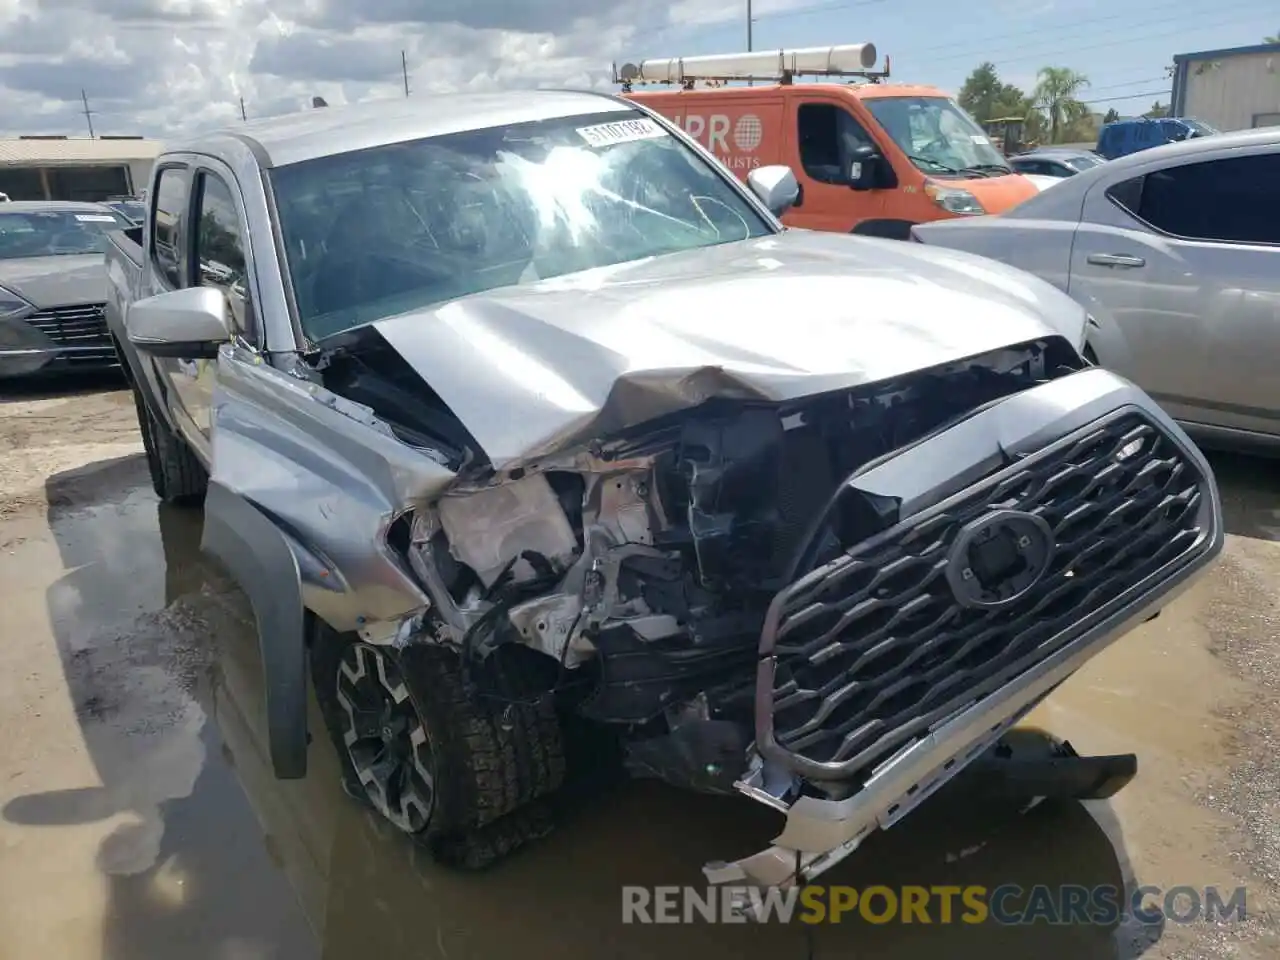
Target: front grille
<point x="84" y="325"/>
<point x="874" y="648"/>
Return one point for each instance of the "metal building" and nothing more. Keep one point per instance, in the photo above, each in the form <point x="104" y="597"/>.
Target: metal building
<point x="1235" y="89"/>
<point x="75" y="168"/>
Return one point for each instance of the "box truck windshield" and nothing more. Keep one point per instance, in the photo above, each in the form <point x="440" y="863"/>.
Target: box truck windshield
<point x="937" y="136"/>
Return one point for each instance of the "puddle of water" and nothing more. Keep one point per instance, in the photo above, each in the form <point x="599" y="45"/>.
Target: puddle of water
<point x="123" y="832"/>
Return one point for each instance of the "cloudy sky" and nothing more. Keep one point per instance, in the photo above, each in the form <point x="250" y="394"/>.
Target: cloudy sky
<point x="161" y="67"/>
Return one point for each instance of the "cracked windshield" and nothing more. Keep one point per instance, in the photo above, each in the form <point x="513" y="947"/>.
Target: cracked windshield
<point x="937" y="135"/>
<point x="401" y="227"/>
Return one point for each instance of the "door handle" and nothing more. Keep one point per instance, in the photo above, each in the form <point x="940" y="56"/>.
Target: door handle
<point x="1116" y="260"/>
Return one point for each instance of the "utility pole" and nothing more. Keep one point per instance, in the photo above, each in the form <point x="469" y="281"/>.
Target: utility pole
<point x="748" y="26"/>
<point x="243" y="115"/>
<point x="88" y="114"/>
<point x="404" y="69"/>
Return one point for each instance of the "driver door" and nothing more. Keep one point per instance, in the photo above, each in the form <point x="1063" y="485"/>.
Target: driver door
<point x="823" y="131"/>
<point x="199" y="241"/>
<point x="218" y="259"/>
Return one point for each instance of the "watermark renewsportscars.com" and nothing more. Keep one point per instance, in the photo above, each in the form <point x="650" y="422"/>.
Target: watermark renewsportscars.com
<point x="1009" y="904"/>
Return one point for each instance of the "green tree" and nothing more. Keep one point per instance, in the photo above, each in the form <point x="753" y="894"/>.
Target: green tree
<point x="986" y="98"/>
<point x="1157" y="110"/>
<point x="1275" y="39"/>
<point x="1056" y="98"/>
<point x="1112" y="116"/>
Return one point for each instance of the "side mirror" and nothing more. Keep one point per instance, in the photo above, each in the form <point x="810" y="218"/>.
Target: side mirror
<point x="776" y="186"/>
<point x="865" y="164"/>
<point x="188" y="324"/>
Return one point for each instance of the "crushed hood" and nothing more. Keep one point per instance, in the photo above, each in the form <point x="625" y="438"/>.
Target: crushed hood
<point x="56" y="281"/>
<point x="533" y="368"/>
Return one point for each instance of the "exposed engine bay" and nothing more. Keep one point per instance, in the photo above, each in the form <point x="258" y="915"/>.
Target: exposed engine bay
<point x="643" y="567"/>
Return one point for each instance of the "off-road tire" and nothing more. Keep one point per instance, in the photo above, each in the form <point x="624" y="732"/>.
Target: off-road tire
<point x="497" y="747"/>
<point x="176" y="475"/>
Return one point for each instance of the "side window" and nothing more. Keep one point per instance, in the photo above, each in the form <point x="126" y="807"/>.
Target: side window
<point x="826" y="134"/>
<point x="1229" y="200"/>
<point x="1128" y="194"/>
<point x="219" y="248"/>
<point x="168" y="227"/>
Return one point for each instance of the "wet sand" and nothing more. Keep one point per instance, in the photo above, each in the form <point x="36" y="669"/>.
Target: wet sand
<point x="139" y="818"/>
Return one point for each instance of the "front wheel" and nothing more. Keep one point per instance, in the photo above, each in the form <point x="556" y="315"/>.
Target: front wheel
<point x="455" y="768"/>
<point x="176" y="475"/>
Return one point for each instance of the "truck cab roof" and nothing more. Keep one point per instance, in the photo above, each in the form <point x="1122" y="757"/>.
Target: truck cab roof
<point x="324" y="131"/>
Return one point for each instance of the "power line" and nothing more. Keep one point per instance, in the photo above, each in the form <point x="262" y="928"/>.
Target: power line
<point x="1089" y="25"/>
<point x="1017" y="54"/>
<point x="1129" y="83"/>
<point x="1127" y="96"/>
<point x="997" y="59"/>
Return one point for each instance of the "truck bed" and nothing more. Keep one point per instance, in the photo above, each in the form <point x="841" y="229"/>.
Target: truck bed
<point x="124" y="270"/>
<point x="129" y="243"/>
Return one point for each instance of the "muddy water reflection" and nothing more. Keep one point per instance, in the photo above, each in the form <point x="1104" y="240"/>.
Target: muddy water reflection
<point x="180" y="867"/>
<point x="170" y="644"/>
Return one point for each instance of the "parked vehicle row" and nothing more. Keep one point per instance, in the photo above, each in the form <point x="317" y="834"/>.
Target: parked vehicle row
<point x="1175" y="252"/>
<point x="514" y="414"/>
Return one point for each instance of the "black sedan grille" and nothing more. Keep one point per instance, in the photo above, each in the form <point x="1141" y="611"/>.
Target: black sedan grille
<point x="876" y="647"/>
<point x="81" y="328"/>
<point x="84" y="325"/>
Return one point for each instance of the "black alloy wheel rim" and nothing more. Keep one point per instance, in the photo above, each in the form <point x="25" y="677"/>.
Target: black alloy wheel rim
<point x="385" y="737"/>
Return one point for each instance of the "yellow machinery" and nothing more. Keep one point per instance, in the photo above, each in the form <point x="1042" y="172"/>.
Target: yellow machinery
<point x="1007" y="134"/>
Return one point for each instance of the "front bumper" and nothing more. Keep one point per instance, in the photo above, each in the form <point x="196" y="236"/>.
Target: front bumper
<point x="918" y="750"/>
<point x="55" y="340"/>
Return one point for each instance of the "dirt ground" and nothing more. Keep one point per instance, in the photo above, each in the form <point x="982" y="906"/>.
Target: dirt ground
<point x="139" y="818"/>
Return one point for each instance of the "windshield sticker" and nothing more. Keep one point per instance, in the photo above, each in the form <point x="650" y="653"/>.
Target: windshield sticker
<point x="95" y="218"/>
<point x="980" y="139"/>
<point x="621" y="131"/>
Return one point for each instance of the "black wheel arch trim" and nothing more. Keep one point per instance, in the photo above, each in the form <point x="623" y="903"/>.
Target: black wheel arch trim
<point x="259" y="558"/>
<point x="885" y="228"/>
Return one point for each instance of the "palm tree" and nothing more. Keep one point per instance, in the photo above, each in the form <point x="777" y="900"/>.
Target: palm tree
<point x="1055" y="95"/>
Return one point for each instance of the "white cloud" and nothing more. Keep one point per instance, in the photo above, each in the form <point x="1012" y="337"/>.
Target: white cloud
<point x="165" y="67"/>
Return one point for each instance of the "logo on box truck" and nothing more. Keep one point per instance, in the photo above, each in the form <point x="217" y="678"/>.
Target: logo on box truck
<point x="728" y="139"/>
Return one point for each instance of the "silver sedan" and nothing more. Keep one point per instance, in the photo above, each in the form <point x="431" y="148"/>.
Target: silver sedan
<point x="1175" y="252"/>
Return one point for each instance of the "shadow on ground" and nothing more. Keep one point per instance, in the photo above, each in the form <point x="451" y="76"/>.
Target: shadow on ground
<point x="45" y="386"/>
<point x="212" y="852"/>
<point x="1250" y="494"/>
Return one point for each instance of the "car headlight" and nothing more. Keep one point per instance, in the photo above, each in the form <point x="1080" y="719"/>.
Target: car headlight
<point x="12" y="305"/>
<point x="954" y="199"/>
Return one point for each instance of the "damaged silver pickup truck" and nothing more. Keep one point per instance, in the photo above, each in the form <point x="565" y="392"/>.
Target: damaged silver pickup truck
<point x="519" y="415"/>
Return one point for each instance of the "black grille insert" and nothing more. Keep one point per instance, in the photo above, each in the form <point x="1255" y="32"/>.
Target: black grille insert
<point x="873" y="648"/>
<point x="84" y="325"/>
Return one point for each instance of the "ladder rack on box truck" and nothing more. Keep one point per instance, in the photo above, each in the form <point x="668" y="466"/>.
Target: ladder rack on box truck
<point x="850" y="61"/>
